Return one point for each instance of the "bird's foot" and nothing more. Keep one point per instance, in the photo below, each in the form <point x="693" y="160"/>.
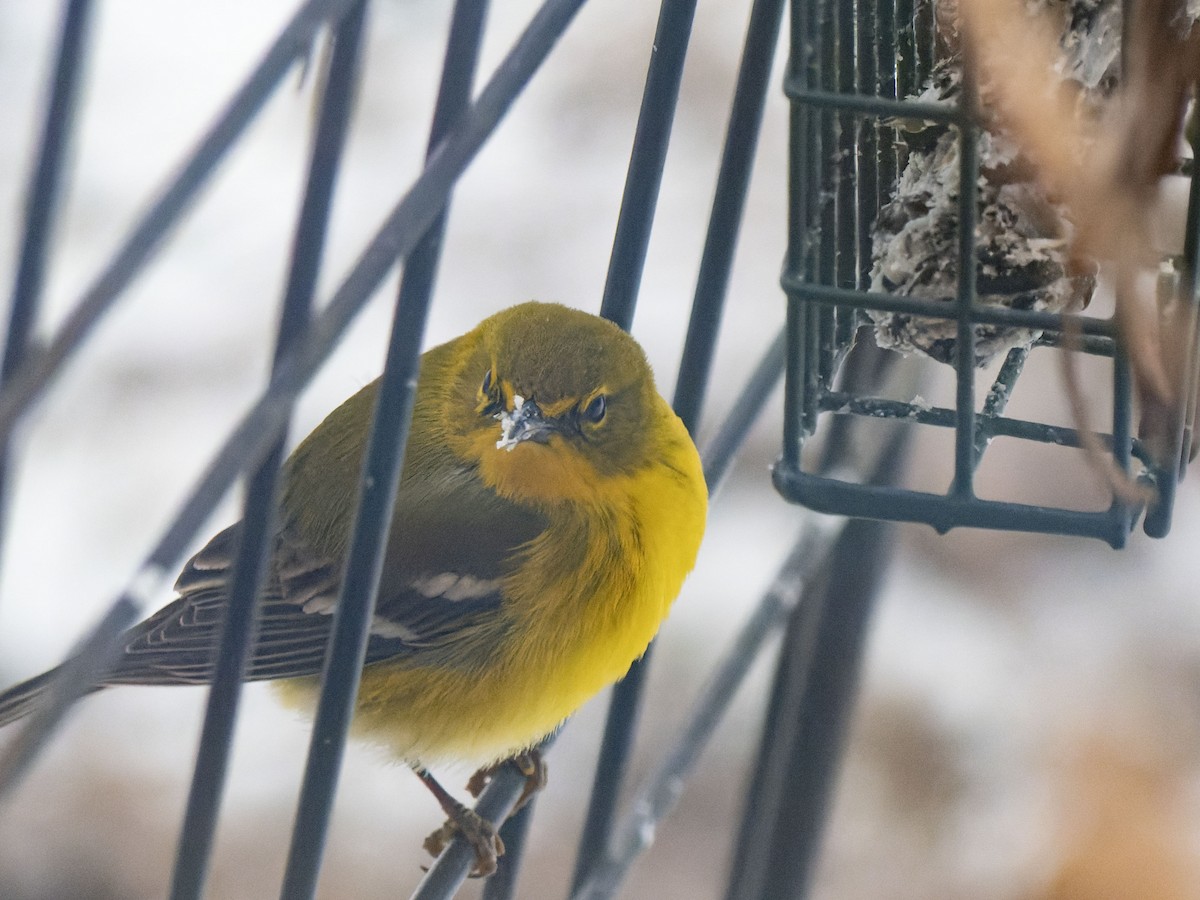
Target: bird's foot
<point x="529" y="763"/>
<point x="476" y="831"/>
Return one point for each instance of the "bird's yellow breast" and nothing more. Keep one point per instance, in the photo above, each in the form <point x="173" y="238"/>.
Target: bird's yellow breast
<point x="583" y="603"/>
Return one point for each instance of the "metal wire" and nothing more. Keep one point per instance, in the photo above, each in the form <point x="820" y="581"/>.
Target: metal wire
<point x="964" y="356"/>
<point x="729" y="200"/>
<point x="935" y="309"/>
<point x="752" y="857"/>
<point x="42" y="202"/>
<point x="1158" y="517"/>
<point x="712" y="281"/>
<point x="503" y="884"/>
<point x="259" y="510"/>
<point x="416" y="286"/>
<point x="806" y="721"/>
<point x="724" y="445"/>
<point x="646" y="160"/>
<point x="350" y="629"/>
<point x="638" y="203"/>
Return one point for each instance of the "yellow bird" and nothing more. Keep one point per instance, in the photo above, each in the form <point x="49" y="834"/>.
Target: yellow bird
<point x="550" y="506"/>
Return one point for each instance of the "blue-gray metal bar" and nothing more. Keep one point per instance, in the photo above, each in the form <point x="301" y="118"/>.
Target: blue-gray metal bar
<point x="194" y="848"/>
<point x="997" y="398"/>
<point x="819" y="635"/>
<point x="723" y="446"/>
<point x="46" y="183"/>
<point x="804" y="199"/>
<point x="754" y="845"/>
<point x="729" y="201"/>
<point x="806" y="721"/>
<point x="42" y="201"/>
<point x="634" y="223"/>
<point x="659" y="796"/>
<point x="945" y="511"/>
<point x="515" y="832"/>
<point x="356" y="601"/>
<point x="646" y="160"/>
<point x="989" y="424"/>
<point x="381" y="472"/>
<point x="264" y="422"/>
<point x="926" y="38"/>
<point x="866" y="182"/>
<point x="454" y="98"/>
<point x="843" y="165"/>
<point x="964" y="354"/>
<point x="1191" y="255"/>
<point x="793" y="283"/>
<point x="825" y="149"/>
<point x="174" y="199"/>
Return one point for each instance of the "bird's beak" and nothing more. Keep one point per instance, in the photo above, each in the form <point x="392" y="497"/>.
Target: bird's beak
<point x="524" y="422"/>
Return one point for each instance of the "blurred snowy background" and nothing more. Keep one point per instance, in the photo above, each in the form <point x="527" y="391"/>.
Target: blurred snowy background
<point x="1028" y="726"/>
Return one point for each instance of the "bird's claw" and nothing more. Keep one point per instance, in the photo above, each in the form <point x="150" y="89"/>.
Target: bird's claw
<point x="483" y="837"/>
<point x="476" y="831"/>
<point x="529" y="763"/>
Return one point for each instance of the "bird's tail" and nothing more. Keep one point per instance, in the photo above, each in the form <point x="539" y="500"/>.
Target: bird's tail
<point x="21" y="699"/>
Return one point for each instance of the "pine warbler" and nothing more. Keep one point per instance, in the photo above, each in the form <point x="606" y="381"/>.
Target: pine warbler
<point x="550" y="507"/>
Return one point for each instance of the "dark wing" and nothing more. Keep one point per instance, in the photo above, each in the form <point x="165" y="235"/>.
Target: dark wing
<point x="423" y="608"/>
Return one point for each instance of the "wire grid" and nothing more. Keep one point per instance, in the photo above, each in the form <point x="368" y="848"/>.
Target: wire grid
<point x="854" y="70"/>
<point x="412" y="232"/>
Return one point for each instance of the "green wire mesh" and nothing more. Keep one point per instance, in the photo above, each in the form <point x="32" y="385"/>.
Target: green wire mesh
<point x="883" y="119"/>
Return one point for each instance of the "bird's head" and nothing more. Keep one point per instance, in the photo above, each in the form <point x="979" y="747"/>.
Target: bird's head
<point x="552" y="403"/>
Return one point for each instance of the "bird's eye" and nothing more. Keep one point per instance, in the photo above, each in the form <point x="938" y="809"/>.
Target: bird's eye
<point x="595" y="410"/>
<point x="486" y="387"/>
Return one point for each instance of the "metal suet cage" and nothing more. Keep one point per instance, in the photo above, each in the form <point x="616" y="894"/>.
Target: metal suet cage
<point x="876" y="96"/>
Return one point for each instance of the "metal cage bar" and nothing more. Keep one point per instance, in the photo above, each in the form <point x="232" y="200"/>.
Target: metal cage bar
<point x="712" y="280"/>
<point x="381" y="471"/>
<point x="638" y="204"/>
<point x="1158" y="517"/>
<point x="963" y="485"/>
<point x="258" y="512"/>
<point x="42" y="202"/>
<point x="806" y="720"/>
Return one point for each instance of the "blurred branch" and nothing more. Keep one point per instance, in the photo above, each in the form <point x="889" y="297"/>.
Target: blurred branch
<point x="1105" y="166"/>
